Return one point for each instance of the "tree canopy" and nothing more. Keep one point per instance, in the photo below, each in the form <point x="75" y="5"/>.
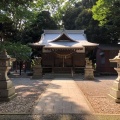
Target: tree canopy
<point x="70" y="17"/>
<point x="17" y="50"/>
<point x="24" y="20"/>
<point x="33" y="32"/>
<point x="107" y="12"/>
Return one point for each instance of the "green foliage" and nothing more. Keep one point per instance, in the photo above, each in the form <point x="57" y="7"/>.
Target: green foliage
<point x="107" y="12"/>
<point x="56" y="8"/>
<point x="14" y="16"/>
<point x="34" y="31"/>
<point x="97" y="33"/>
<point x="88" y="3"/>
<point x="25" y="20"/>
<point x="6" y="30"/>
<point x="104" y="28"/>
<point x="28" y="20"/>
<point x="32" y="63"/>
<point x="83" y="19"/>
<point x="16" y="10"/>
<point x="17" y="50"/>
<point x="79" y="15"/>
<point x="70" y="17"/>
<point x="100" y="11"/>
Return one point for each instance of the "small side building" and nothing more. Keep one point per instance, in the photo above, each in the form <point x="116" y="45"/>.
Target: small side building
<point x="104" y="53"/>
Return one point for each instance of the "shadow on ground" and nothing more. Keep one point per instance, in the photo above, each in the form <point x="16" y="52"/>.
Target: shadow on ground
<point x="48" y="117"/>
<point x="28" y="91"/>
<point x="59" y="117"/>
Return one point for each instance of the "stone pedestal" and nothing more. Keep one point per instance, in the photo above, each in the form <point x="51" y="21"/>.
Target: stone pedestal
<point x="89" y="71"/>
<point x="115" y="90"/>
<point x="37" y="69"/>
<point x="37" y="72"/>
<point x="7" y="90"/>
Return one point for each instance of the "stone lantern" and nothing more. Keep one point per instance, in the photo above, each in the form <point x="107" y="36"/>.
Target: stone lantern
<point x="7" y="90"/>
<point x="115" y="90"/>
<point x="37" y="69"/>
<point x="89" y="71"/>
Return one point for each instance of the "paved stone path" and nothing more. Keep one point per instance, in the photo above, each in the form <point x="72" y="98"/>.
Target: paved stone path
<point x="62" y="96"/>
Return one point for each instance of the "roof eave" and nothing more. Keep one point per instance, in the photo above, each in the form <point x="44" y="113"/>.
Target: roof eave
<point x="65" y="47"/>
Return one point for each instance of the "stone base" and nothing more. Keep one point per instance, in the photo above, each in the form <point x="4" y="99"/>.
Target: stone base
<point x="115" y="92"/>
<point x="89" y="74"/>
<point x="7" y="90"/>
<point x="7" y="99"/>
<point x="117" y="100"/>
<point x="37" y="72"/>
<point x="88" y="78"/>
<point x="6" y="84"/>
<point x="116" y="85"/>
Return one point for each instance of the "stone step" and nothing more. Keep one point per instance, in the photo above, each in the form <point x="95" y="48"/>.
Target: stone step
<point x="61" y="75"/>
<point x="56" y="75"/>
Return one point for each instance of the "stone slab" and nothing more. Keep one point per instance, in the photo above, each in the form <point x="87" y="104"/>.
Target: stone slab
<point x="62" y="96"/>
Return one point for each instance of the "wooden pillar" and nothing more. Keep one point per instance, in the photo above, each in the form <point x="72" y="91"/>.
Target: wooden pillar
<point x="63" y="61"/>
<point x="72" y="64"/>
<point x="53" y="64"/>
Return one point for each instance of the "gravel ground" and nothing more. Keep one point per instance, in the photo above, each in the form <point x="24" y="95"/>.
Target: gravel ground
<point x="28" y="91"/>
<point x="97" y="92"/>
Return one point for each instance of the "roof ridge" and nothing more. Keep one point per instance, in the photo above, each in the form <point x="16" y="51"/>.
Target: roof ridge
<point x="65" y="31"/>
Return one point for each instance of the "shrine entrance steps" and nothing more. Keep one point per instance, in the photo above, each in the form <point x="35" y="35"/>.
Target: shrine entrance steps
<point x="61" y="75"/>
<point x="63" y="70"/>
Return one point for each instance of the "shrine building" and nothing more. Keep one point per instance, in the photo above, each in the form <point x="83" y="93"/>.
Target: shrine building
<point x="64" y="51"/>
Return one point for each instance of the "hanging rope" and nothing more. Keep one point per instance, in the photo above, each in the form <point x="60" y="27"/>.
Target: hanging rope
<point x="66" y="56"/>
